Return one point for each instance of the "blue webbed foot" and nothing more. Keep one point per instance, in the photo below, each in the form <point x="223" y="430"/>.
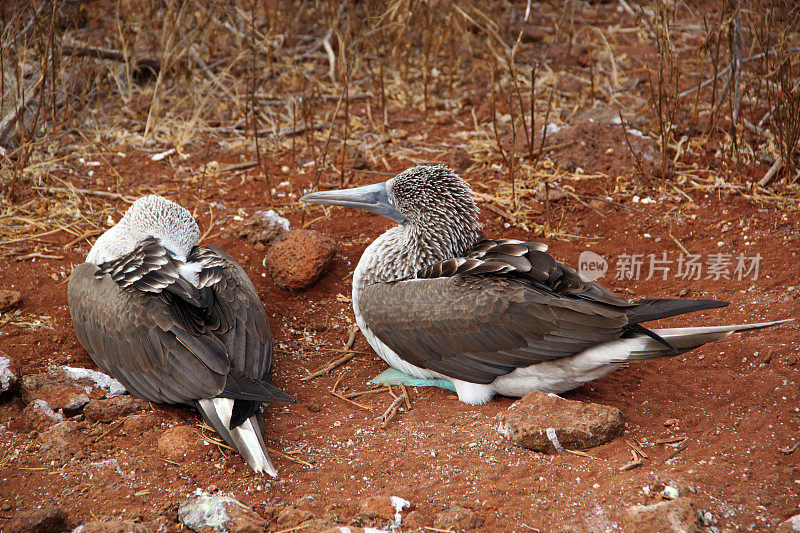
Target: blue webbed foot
<point x="393" y="376"/>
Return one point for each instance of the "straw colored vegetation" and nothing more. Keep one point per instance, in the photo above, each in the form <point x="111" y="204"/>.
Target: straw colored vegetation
<point x="334" y="91"/>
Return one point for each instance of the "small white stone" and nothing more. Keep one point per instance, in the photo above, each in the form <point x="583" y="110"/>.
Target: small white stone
<point x="669" y="493"/>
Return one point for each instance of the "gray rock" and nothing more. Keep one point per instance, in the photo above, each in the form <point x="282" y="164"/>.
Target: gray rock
<point x="789" y="526"/>
<point x="298" y="260"/>
<point x="675" y="516"/>
<point x="47" y="520"/>
<point x="208" y="513"/>
<point x="263" y="227"/>
<point x="547" y="423"/>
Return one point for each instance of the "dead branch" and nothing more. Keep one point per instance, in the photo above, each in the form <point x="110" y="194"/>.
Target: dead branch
<point x="724" y="72"/>
<point x="153" y="65"/>
<point x="771" y="173"/>
<point x="28" y="94"/>
<point x="339" y="362"/>
<point x="100" y="194"/>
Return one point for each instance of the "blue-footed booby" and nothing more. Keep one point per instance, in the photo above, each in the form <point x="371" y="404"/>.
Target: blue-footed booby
<point x="177" y="323"/>
<point x="437" y="301"/>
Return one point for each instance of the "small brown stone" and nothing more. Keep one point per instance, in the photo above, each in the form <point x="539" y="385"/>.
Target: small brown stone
<point x="290" y="516"/>
<point x="298" y="260"/>
<point x="261" y="229"/>
<point x="60" y="442"/>
<point x="540" y="420"/>
<point x="669" y="517"/>
<point x="458" y="518"/>
<point x="178" y="441"/>
<point x="415" y="520"/>
<point x="377" y="507"/>
<point x="37" y="416"/>
<point x="138" y="424"/>
<point x="9" y="299"/>
<point x="110" y="409"/>
<point x="47" y="520"/>
<point x="245" y="520"/>
<point x="55" y="388"/>
<point x="114" y="526"/>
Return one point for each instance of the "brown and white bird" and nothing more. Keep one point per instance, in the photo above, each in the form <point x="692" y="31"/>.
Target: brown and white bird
<point x="177" y="323"/>
<point x="437" y="301"/>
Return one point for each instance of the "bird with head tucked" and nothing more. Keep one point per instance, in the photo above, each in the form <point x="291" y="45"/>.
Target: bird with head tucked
<point x="177" y="323"/>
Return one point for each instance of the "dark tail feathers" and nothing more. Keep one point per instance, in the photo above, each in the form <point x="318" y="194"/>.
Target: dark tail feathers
<point x="655" y="308"/>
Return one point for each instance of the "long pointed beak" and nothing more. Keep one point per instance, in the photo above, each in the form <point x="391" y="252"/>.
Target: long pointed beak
<point x="374" y="198"/>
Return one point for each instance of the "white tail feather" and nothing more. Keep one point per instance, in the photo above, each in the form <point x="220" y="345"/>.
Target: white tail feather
<point x="245" y="438"/>
<point x="561" y="375"/>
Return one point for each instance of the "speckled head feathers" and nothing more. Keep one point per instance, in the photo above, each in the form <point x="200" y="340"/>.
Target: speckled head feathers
<point x="433" y="195"/>
<point x="149" y="216"/>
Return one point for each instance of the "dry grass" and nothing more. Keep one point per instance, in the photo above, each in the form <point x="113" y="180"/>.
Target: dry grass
<point x="325" y="86"/>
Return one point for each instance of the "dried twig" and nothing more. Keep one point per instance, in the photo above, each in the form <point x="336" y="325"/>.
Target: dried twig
<point x="581" y="454"/>
<point x="289" y="457"/>
<point x="636" y="461"/>
<point x="771" y="173"/>
<point x="635" y="447"/>
<point x="16" y="111"/>
<point x="356" y="394"/>
<point x="153" y="65"/>
<point x="348" y="400"/>
<point x="391" y="411"/>
<point x="339" y="362"/>
<point x="685" y="445"/>
<point x="100" y="194"/>
<point x="722" y="73"/>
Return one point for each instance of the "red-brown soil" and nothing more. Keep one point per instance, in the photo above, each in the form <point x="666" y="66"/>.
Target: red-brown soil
<point x="737" y="399"/>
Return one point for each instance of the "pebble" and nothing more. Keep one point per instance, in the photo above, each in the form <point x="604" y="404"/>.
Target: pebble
<point x="46" y="520"/>
<point x="458" y="518"/>
<point x="9" y="375"/>
<point x="674" y="516"/>
<point x="205" y="513"/>
<point x="9" y="298"/>
<point x="299" y="260"/>
<point x="110" y="409"/>
<point x="547" y="423"/>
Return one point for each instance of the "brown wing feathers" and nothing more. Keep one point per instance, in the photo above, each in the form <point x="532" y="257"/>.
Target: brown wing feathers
<point x="175" y="343"/>
<point x="503" y="305"/>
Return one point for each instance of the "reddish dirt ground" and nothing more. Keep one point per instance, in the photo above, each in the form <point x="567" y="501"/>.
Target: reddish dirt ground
<point x="737" y="399"/>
